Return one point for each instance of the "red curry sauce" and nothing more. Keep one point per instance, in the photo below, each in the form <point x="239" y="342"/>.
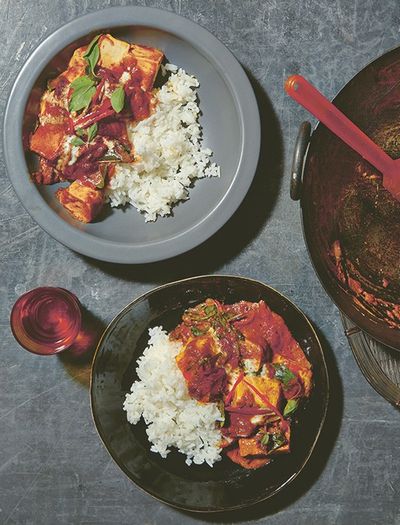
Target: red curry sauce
<point x="81" y="128"/>
<point x="244" y="357"/>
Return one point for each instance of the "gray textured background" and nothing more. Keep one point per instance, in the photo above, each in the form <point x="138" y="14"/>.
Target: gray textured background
<point x="53" y="468"/>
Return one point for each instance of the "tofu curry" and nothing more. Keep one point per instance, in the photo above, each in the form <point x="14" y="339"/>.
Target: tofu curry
<point x="81" y="129"/>
<point x="243" y="357"/>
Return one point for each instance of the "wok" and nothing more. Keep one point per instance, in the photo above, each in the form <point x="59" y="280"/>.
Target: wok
<point x="342" y="199"/>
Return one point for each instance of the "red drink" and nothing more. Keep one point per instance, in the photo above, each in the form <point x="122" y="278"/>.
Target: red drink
<point x="46" y="320"/>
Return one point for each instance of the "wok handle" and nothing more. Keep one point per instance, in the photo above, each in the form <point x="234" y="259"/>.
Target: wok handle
<point x="300" y="148"/>
<point x="313" y="101"/>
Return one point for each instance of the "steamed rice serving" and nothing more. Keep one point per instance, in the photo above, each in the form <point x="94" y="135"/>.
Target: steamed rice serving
<point x="161" y="397"/>
<point x="168" y="147"/>
<point x="228" y="379"/>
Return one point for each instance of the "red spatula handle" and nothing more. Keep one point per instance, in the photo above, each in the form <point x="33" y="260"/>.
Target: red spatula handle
<point x="311" y="99"/>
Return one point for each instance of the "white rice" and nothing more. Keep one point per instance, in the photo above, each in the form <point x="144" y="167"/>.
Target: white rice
<point x="168" y="145"/>
<point x="173" y="419"/>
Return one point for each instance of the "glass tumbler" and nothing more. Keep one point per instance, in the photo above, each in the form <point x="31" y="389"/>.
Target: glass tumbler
<point x="46" y="320"/>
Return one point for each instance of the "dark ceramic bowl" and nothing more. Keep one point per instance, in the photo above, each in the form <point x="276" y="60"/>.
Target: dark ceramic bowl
<point x="229" y="119"/>
<point x="226" y="486"/>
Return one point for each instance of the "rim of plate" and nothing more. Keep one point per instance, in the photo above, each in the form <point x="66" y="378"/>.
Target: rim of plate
<point x="152" y="291"/>
<point x="227" y="66"/>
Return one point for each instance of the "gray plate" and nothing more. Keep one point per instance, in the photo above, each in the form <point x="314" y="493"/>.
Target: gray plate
<point x="231" y="128"/>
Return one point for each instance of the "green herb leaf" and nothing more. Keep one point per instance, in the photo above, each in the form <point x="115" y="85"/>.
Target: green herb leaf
<point x="83" y="82"/>
<point x="77" y="141"/>
<point x="210" y="310"/>
<point x="81" y="99"/>
<point x="93" y="58"/>
<point x="92" y="54"/>
<point x="283" y="374"/>
<point x="80" y="132"/>
<point x="100" y="183"/>
<point x="221" y="408"/>
<point x="92" y="132"/>
<point x="111" y="156"/>
<point x="196" y="331"/>
<point x="265" y="439"/>
<point x="278" y="440"/>
<point x="118" y="99"/>
<point x="91" y="45"/>
<point x="83" y="89"/>
<point x="290" y="407"/>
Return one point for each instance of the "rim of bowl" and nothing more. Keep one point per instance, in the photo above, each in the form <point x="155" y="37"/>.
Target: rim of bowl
<point x="230" y="71"/>
<point x="144" y="295"/>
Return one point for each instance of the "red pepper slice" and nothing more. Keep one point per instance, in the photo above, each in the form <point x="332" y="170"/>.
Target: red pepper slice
<point x="96" y="97"/>
<point x="265" y="400"/>
<point x="104" y="111"/>
<point x="235" y="385"/>
<point x="293" y="390"/>
<point x="249" y="411"/>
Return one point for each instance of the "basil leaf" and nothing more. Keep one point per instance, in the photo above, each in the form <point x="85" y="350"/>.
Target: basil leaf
<point x="100" y="183"/>
<point x="93" y="58"/>
<point x="290" y="407"/>
<point x="81" y="98"/>
<point x="196" y="331"/>
<point x="91" y="45"/>
<point x="80" y="132"/>
<point x="278" y="440"/>
<point x="92" y="132"/>
<point x="83" y="89"/>
<point x="111" y="156"/>
<point x="76" y="141"/>
<point x="118" y="99"/>
<point x="83" y="82"/>
<point x="92" y="54"/>
<point x="265" y="439"/>
<point x="283" y="374"/>
<point x="221" y="408"/>
<point x="210" y="310"/>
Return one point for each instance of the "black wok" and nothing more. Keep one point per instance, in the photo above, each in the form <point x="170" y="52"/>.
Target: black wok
<point x="342" y="199"/>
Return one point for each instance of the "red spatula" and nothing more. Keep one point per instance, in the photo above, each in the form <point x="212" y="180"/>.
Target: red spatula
<point x="311" y="99"/>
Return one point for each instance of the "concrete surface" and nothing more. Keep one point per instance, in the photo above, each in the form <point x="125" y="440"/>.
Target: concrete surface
<point x="53" y="467"/>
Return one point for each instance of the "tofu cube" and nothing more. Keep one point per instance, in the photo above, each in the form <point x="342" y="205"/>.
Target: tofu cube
<point x="251" y="447"/>
<point x="47" y="140"/>
<point x="83" y="201"/>
<point x="112" y="51"/>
